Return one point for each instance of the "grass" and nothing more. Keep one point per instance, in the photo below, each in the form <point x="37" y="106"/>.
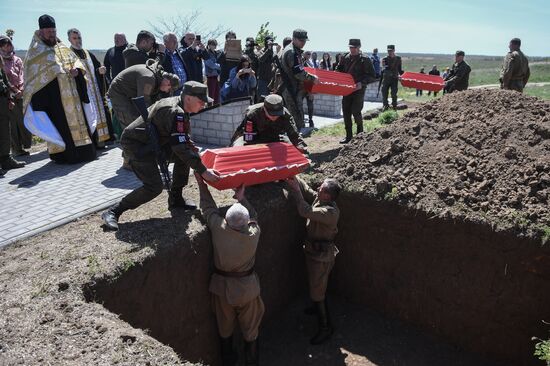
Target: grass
<point x="538" y="91"/>
<point x="338" y="129"/>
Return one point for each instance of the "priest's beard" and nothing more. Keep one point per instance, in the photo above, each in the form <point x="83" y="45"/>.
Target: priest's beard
<point x="50" y="42"/>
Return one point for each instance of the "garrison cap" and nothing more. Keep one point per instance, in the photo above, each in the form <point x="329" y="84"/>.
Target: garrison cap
<point x="300" y="34"/>
<point x="46" y="21"/>
<point x="459" y="53"/>
<point x="354" y="42"/>
<point x="391" y="47"/>
<point x="273" y="104"/>
<point x="196" y="89"/>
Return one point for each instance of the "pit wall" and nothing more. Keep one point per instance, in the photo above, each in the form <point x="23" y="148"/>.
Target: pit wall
<point x="484" y="291"/>
<point x="216" y="125"/>
<point x="168" y="294"/>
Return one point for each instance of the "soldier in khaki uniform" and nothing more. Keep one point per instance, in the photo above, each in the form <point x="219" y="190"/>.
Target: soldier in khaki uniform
<point x="235" y="286"/>
<point x="139" y="80"/>
<point x="170" y="117"/>
<point x="265" y="122"/>
<point x="515" y="69"/>
<point x="322" y="213"/>
<point x="293" y="76"/>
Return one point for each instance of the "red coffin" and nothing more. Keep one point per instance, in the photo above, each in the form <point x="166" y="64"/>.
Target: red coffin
<point x="254" y="164"/>
<point x="417" y="80"/>
<point x="330" y="82"/>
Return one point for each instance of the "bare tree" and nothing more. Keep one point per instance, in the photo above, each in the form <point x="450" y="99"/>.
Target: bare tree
<point x="181" y="24"/>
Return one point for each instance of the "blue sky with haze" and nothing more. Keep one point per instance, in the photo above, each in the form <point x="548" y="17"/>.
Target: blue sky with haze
<point x="478" y="27"/>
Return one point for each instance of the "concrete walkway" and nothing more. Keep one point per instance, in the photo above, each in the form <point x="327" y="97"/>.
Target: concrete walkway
<point x="44" y="195"/>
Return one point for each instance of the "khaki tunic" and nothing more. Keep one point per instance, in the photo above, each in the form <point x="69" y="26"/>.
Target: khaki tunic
<point x="515" y="71"/>
<point x="234" y="299"/>
<point x="321" y="227"/>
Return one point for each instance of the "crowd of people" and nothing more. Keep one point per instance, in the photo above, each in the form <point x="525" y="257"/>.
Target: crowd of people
<point x="66" y="96"/>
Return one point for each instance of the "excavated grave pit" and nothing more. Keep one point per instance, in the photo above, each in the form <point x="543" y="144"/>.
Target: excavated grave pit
<point x="482" y="291"/>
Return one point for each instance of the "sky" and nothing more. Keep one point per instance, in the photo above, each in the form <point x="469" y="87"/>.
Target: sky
<point x="480" y="27"/>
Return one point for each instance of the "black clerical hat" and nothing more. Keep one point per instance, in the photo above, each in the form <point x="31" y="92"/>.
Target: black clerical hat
<point x="46" y="21"/>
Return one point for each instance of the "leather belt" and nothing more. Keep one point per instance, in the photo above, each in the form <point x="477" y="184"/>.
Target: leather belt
<point x="234" y="274"/>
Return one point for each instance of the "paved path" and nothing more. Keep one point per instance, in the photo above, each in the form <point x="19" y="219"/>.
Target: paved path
<point x="44" y="195"/>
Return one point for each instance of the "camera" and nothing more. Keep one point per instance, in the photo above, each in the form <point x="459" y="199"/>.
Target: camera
<point x="198" y="38"/>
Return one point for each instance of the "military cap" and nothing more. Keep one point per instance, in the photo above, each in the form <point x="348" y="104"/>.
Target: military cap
<point x="354" y="42"/>
<point x="196" y="89"/>
<point x="46" y="21"/>
<point x="459" y="53"/>
<point x="300" y="34"/>
<point x="273" y="104"/>
<point x="516" y="41"/>
<point x="391" y="47"/>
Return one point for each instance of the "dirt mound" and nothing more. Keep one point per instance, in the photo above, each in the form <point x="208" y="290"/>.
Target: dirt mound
<point x="480" y="155"/>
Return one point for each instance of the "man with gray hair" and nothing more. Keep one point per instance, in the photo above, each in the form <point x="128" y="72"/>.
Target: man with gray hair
<point x="173" y="62"/>
<point x="322" y="213"/>
<point x="235" y="286"/>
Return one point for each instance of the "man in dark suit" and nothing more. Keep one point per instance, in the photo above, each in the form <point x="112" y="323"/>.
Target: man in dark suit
<point x="193" y="52"/>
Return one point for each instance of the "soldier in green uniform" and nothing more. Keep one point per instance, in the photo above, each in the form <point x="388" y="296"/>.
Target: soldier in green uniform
<point x="458" y="77"/>
<point x="322" y="214"/>
<point x="170" y="116"/>
<point x="391" y="70"/>
<point x="293" y="76"/>
<point x="147" y="80"/>
<point x="235" y="286"/>
<point x="265" y="122"/>
<point x="515" y="68"/>
<point x="362" y="70"/>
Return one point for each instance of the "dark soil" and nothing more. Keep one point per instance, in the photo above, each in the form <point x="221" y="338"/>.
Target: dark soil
<point x="482" y="155"/>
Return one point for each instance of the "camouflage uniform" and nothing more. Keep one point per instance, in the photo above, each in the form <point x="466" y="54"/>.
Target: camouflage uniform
<point x="515" y="71"/>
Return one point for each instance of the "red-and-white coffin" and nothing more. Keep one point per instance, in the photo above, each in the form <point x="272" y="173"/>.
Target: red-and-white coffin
<point x="427" y="82"/>
<point x="330" y="82"/>
<point x="254" y="164"/>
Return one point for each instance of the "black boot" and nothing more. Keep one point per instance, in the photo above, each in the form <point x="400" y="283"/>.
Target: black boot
<point x="229" y="358"/>
<point x="251" y="353"/>
<point x="346" y="139"/>
<point x="360" y="127"/>
<point x="325" y="328"/>
<point x="110" y="217"/>
<point x="175" y="200"/>
<point x="10" y="163"/>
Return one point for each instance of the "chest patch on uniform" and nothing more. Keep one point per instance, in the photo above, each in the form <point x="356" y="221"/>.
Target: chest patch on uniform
<point x="180" y="130"/>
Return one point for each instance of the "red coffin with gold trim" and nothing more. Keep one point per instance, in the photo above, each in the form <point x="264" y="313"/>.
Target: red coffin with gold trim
<point x="330" y="82"/>
<point x="254" y="164"/>
<point x="427" y="82"/>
